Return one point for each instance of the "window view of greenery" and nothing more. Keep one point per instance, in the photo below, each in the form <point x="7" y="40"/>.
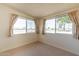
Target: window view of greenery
<point x="63" y="25"/>
<point x="22" y="26"/>
<point x="59" y="25"/>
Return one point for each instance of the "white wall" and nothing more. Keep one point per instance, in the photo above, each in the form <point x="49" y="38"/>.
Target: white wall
<point x="17" y="40"/>
<point x="63" y="41"/>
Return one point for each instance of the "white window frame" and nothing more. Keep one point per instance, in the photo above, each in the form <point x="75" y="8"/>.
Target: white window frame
<point x="56" y="26"/>
<point x="25" y="25"/>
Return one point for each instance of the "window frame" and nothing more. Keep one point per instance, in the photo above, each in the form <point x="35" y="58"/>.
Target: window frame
<point x="56" y="25"/>
<point x="25" y="25"/>
<point x="52" y="26"/>
<point x="34" y="26"/>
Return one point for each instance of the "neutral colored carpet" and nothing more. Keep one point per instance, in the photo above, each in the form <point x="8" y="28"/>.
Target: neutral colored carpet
<point x="37" y="49"/>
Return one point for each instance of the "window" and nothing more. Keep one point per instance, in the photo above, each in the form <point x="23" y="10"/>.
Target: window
<point x="23" y="25"/>
<point x="50" y="26"/>
<point x="20" y="26"/>
<point x="30" y="26"/>
<point x="63" y="25"/>
<point x="60" y="24"/>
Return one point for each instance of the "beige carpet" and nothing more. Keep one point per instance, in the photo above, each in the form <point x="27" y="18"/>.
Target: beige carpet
<point x="37" y="49"/>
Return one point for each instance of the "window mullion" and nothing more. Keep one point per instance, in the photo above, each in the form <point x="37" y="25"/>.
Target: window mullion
<point x="55" y="25"/>
<point x="26" y="25"/>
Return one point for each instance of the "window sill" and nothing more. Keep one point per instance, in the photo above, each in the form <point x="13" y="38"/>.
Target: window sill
<point x="23" y="34"/>
<point x="59" y="33"/>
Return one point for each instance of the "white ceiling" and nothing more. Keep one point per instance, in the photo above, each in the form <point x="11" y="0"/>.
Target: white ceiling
<point x="41" y="9"/>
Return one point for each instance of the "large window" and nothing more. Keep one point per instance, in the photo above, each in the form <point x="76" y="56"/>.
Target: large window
<point x="30" y="26"/>
<point x="50" y="26"/>
<point x="60" y="24"/>
<point x="23" y="25"/>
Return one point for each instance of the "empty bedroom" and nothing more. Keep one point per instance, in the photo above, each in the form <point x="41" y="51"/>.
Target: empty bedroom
<point x="39" y="29"/>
